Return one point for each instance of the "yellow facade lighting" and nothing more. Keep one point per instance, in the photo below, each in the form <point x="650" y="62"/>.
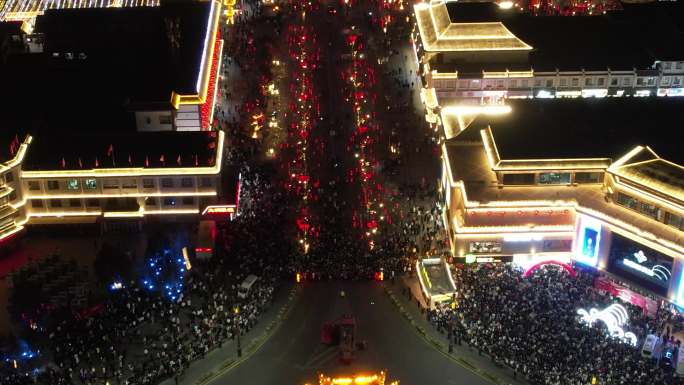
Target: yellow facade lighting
<point x="60" y="214"/>
<point x="205" y="65"/>
<point x="134" y="171"/>
<point x="123" y="214"/>
<point x="18" y="157"/>
<point x="11" y="232"/>
<point x="124" y="195"/>
<point x="507" y="74"/>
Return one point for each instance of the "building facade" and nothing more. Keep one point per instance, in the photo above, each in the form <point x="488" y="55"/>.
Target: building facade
<point x="484" y="61"/>
<point x="60" y="195"/>
<point x="623" y="215"/>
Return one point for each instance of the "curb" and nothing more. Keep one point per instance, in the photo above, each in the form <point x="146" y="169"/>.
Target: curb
<point x="439" y="345"/>
<point x="254" y="345"/>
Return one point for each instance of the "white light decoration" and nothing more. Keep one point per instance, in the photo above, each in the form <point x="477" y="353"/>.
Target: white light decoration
<point x="614" y="317"/>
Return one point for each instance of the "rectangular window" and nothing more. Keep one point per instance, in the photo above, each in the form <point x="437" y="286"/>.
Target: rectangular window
<point x="206" y="182"/>
<point x="37" y="204"/>
<point x="92" y="203"/>
<point x="53" y="185"/>
<point x="667" y="65"/>
<point x="72" y="184"/>
<point x="588" y="177"/>
<point x="518" y="179"/>
<point x="148" y="183"/>
<point x="169" y="201"/>
<point x="150" y="201"/>
<point x="187" y="182"/>
<point x="676" y="81"/>
<point x="56" y="203"/>
<point x="554" y="178"/>
<point x="640" y="81"/>
<point x="563" y="82"/>
<point x="110" y="184"/>
<point x="575" y="82"/>
<point x="167" y="182"/>
<point x="600" y="81"/>
<point x="627" y="201"/>
<point x="679" y="65"/>
<point x="626" y="81"/>
<point x="74" y="202"/>
<point x="33" y="185"/>
<point x="462" y="83"/>
<point x="648" y="210"/>
<point x="588" y="82"/>
<point x="9" y="177"/>
<point x="485" y="247"/>
<point x="525" y="83"/>
<point x="164" y="119"/>
<point x="129" y="183"/>
<point x="537" y="82"/>
<point x="614" y="81"/>
<point x="90" y="184"/>
<point x="499" y="84"/>
<point x="674" y="221"/>
<point x="187" y="201"/>
<point x="513" y="83"/>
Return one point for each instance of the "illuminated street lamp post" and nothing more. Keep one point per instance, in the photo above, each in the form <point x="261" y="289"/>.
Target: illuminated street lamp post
<point x="237" y="327"/>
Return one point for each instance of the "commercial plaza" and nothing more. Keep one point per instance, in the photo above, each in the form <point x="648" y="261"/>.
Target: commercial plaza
<point x="585" y="180"/>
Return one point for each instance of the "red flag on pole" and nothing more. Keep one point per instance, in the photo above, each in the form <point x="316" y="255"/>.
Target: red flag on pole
<point x="147" y="161"/>
<point x="130" y="160"/>
<point x="63" y="163"/>
<point x="178" y="160"/>
<point x="162" y="159"/>
<point x="97" y="163"/>
<point x="110" y="150"/>
<point x="196" y="160"/>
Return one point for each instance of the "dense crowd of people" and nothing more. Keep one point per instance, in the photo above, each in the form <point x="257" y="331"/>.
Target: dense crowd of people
<point x="531" y="325"/>
<point x="142" y="337"/>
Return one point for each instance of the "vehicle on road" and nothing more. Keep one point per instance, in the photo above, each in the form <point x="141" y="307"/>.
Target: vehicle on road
<point x="649" y="347"/>
<point x="341" y="332"/>
<point x="246" y="286"/>
<point x="206" y="235"/>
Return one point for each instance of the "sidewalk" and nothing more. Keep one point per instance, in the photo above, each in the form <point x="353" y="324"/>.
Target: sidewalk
<point x="219" y="360"/>
<point x="462" y="354"/>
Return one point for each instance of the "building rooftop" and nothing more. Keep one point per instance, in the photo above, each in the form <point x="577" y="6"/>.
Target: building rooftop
<point x="122" y="150"/>
<point x="619" y="40"/>
<point x="583" y="128"/>
<point x="99" y="64"/>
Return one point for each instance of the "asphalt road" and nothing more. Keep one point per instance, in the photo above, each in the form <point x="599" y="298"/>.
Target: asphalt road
<point x="294" y="354"/>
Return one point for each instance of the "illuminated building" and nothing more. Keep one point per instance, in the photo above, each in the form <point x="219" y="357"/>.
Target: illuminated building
<point x="28" y="10"/>
<point x="109" y="118"/>
<point x="479" y="53"/>
<point x="150" y="69"/>
<point x="133" y="176"/>
<point x="571" y="180"/>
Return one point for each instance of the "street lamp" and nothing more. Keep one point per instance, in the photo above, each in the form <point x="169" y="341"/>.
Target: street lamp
<point x="237" y="326"/>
